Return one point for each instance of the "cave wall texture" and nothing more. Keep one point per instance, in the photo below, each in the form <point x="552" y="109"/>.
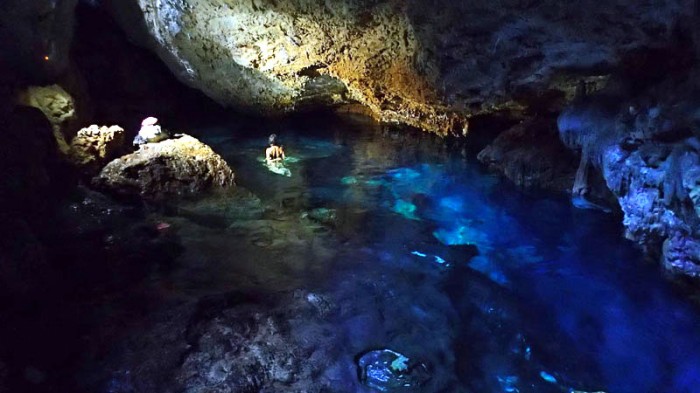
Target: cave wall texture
<point x="427" y="64"/>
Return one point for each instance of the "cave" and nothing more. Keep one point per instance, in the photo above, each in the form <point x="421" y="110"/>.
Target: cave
<point x="349" y="196"/>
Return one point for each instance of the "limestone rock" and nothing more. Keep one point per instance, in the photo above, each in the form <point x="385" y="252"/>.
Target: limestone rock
<point x="175" y="166"/>
<point x="94" y="146"/>
<point x="57" y="105"/>
<point x="389" y="371"/>
<point x="423" y="64"/>
<point x="531" y="155"/>
<point x="647" y="150"/>
<point x="229" y="343"/>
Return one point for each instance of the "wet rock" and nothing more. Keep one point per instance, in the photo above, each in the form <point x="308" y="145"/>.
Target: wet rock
<point x="226" y="343"/>
<point x="531" y="155"/>
<point x="172" y="167"/>
<point x="323" y="216"/>
<point x="389" y="371"/>
<point x="94" y="146"/>
<point x="647" y="155"/>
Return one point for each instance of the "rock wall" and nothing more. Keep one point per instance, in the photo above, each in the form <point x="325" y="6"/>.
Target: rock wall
<point x="425" y="64"/>
<point x="647" y="149"/>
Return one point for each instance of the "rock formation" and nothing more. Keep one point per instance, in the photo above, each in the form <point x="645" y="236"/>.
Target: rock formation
<point x="172" y="167"/>
<point x="94" y="146"/>
<point x="531" y="155"/>
<point x="647" y="150"/>
<point x="427" y="65"/>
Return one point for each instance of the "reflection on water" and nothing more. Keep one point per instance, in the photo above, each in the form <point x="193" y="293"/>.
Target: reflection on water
<point x="388" y="227"/>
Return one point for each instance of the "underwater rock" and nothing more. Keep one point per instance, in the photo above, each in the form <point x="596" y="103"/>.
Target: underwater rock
<point x="323" y="216"/>
<point x="172" y="167"/>
<point x="389" y="371"/>
<point x="59" y="108"/>
<point x="227" y="343"/>
<point x="94" y="146"/>
<point x="222" y="209"/>
<point x="531" y="155"/>
<point x="648" y="156"/>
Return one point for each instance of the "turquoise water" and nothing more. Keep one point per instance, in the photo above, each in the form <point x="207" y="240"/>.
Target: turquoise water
<point x="388" y="225"/>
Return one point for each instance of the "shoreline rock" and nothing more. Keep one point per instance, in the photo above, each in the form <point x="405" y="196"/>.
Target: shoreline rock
<point x="177" y="166"/>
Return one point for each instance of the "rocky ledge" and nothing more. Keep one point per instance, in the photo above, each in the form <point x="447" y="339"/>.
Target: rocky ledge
<point x="176" y="166"/>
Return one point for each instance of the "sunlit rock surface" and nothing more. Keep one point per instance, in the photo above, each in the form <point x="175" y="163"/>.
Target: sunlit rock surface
<point x="648" y="152"/>
<point x="58" y="106"/>
<point x="415" y="63"/>
<point x="94" y="146"/>
<point x="182" y="165"/>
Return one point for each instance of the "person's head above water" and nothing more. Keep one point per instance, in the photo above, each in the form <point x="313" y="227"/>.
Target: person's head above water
<point x="272" y="140"/>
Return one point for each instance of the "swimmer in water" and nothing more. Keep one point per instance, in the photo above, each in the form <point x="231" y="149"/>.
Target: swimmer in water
<point x="274" y="153"/>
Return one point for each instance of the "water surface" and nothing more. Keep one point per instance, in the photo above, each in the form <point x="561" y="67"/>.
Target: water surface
<point x="384" y="222"/>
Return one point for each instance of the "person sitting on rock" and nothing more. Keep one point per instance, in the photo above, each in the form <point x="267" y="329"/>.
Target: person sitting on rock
<point x="150" y="132"/>
<point x="274" y="153"/>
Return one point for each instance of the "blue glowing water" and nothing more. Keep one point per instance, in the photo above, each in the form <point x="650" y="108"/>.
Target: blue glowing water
<point x="556" y="300"/>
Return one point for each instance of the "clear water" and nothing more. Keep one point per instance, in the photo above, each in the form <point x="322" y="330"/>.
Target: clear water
<point x="556" y="300"/>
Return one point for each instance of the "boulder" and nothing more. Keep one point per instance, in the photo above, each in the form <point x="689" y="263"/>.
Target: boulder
<point x="94" y="146"/>
<point x="172" y="167"/>
<point x="233" y="342"/>
<point x="531" y="155"/>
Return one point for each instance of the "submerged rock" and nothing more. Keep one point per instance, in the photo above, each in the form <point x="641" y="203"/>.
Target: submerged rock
<point x="389" y="371"/>
<point x="94" y="146"/>
<point x="228" y="343"/>
<point x="171" y="167"/>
